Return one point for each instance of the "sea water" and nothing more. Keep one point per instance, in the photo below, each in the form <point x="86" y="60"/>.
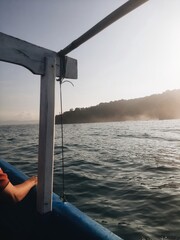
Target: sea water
<point x="125" y="175"/>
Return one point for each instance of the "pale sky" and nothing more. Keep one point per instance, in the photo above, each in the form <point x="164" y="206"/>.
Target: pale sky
<point x="137" y="56"/>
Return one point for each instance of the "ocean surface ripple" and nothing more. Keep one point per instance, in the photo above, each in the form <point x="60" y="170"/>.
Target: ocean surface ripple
<point x="125" y="175"/>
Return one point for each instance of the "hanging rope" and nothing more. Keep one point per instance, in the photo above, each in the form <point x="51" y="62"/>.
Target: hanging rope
<point x="62" y="143"/>
<point x="62" y="138"/>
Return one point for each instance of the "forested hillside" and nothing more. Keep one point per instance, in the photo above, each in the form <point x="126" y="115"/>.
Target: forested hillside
<point x="157" y="106"/>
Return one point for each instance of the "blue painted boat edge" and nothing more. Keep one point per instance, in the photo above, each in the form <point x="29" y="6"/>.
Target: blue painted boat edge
<point x="65" y="209"/>
<point x="15" y="175"/>
<point x="81" y="220"/>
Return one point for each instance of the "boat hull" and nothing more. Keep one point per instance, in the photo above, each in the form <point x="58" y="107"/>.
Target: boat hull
<point x="22" y="221"/>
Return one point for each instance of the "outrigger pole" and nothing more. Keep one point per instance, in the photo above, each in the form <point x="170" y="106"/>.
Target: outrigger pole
<point x="104" y="23"/>
<point x="50" y="65"/>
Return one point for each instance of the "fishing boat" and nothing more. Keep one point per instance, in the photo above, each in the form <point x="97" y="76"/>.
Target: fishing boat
<point x="43" y="214"/>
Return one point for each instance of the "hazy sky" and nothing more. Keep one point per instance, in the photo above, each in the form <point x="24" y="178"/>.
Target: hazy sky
<point x="136" y="56"/>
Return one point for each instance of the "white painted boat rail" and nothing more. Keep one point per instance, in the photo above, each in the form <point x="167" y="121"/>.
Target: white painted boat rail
<point x="46" y="63"/>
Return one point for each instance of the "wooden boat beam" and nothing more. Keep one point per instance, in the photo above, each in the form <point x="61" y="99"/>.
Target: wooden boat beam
<point x="46" y="63"/>
<point x="32" y="57"/>
<point x="46" y="137"/>
<point x="104" y="23"/>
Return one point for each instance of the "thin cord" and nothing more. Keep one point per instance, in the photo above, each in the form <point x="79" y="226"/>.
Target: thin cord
<point x="62" y="138"/>
<point x="62" y="144"/>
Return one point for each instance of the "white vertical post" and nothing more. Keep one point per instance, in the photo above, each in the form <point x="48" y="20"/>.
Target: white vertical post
<point x="46" y="137"/>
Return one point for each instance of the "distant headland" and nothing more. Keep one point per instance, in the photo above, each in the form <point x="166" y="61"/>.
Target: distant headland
<point x="154" y="107"/>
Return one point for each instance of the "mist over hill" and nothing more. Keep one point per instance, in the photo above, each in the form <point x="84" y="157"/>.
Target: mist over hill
<point x="157" y="106"/>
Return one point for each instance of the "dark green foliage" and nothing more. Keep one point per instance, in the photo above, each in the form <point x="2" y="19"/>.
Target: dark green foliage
<point x="157" y="106"/>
